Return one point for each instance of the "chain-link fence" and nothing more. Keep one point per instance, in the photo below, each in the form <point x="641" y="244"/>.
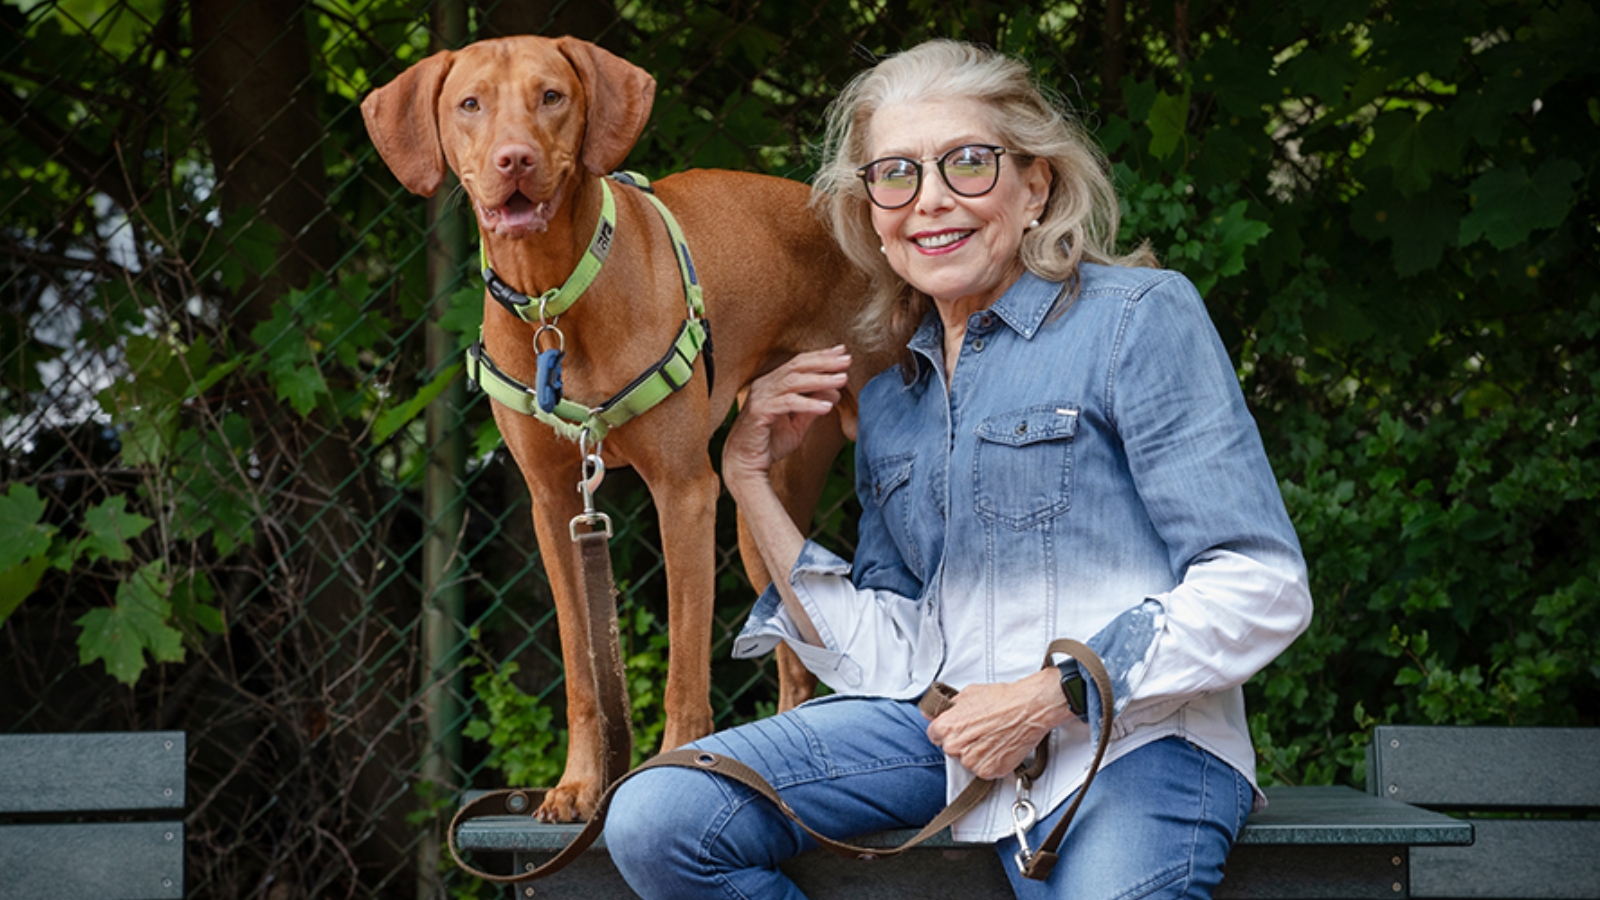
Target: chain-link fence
<point x="253" y="499"/>
<point x="246" y="494"/>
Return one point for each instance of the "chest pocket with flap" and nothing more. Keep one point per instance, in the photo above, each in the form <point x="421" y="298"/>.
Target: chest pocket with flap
<point x="1023" y="465"/>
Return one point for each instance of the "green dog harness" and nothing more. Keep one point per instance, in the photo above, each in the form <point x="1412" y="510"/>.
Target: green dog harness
<point x="574" y="420"/>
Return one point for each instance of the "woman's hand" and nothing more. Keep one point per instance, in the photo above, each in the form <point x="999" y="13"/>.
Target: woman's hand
<point x="777" y="411"/>
<point x="991" y="728"/>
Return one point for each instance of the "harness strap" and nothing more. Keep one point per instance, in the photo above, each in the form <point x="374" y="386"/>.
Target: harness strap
<point x="569" y="419"/>
<point x="935" y="701"/>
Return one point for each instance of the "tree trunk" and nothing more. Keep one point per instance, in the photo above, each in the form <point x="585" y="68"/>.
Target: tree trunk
<point x="1113" y="54"/>
<point x="260" y="117"/>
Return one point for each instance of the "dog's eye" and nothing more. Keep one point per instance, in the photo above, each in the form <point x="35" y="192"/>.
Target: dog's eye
<point x="551" y="98"/>
<point x="470" y="104"/>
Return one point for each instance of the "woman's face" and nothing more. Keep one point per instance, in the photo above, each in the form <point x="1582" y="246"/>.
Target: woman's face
<point x="961" y="251"/>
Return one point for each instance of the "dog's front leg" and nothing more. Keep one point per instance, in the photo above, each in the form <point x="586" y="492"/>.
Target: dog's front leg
<point x="687" y="506"/>
<point x="550" y="467"/>
<point x="582" y="782"/>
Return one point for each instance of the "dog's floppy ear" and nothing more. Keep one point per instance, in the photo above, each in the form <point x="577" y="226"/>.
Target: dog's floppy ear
<point x="620" y="95"/>
<point x="403" y="121"/>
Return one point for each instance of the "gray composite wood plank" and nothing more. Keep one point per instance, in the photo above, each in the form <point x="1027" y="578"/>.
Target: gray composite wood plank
<point x="1514" y="858"/>
<point x="92" y="772"/>
<point x="1340" y="815"/>
<point x="1483" y="767"/>
<point x="1314" y="872"/>
<point x="105" y="861"/>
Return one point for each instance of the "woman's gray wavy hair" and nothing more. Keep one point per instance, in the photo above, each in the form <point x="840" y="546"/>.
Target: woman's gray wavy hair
<point x="1080" y="218"/>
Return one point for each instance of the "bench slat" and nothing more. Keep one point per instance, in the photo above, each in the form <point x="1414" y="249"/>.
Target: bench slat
<point x="1520" y="858"/>
<point x="1342" y="815"/>
<point x="106" y="861"/>
<point x="1316" y="872"/>
<point x="1483" y="767"/>
<point x="91" y="772"/>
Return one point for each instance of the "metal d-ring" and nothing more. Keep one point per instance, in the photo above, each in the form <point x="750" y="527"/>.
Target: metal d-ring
<point x="561" y="339"/>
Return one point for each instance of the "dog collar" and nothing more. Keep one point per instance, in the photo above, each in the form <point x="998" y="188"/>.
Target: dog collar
<point x="554" y="302"/>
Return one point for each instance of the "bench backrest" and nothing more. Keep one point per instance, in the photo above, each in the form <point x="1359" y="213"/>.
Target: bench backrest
<point x="48" y="782"/>
<point x="1553" y="773"/>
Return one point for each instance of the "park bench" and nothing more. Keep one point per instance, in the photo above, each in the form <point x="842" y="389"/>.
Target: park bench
<point x="1532" y="796"/>
<point x="74" y="816"/>
<point x="1310" y="843"/>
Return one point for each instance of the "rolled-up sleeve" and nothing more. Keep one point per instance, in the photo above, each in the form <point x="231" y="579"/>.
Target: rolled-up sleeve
<point x="874" y="642"/>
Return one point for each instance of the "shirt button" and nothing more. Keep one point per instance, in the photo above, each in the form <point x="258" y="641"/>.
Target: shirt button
<point x="977" y="345"/>
<point x="1022" y="428"/>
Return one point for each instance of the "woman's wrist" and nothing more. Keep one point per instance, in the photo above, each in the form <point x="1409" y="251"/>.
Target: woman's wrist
<point x="1046" y="685"/>
<point x="745" y="484"/>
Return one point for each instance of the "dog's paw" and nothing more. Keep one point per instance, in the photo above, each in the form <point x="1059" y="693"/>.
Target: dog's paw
<point x="568" y="803"/>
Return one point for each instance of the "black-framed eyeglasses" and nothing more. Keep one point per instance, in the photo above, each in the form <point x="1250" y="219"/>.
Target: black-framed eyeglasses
<point x="970" y="170"/>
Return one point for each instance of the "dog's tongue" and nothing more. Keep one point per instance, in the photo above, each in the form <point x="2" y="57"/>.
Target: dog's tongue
<point x="519" y="213"/>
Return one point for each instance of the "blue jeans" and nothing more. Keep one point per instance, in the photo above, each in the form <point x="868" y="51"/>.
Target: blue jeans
<point x="1158" y="823"/>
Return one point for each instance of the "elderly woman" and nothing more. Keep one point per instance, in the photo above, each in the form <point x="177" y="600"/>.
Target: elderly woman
<point x="1063" y="451"/>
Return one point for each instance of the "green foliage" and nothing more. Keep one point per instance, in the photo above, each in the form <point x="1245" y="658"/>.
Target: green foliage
<point x="121" y="635"/>
<point x="24" y="546"/>
<point x="22" y="535"/>
<point x="1390" y="209"/>
<point x="645" y="661"/>
<point x="1403" y="258"/>
<point x="524" y="747"/>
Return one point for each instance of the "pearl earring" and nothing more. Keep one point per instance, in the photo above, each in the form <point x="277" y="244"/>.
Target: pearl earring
<point x="1034" y="224"/>
<point x="884" y="250"/>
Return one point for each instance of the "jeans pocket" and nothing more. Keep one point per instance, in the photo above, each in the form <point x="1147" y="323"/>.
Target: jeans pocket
<point x="1023" y="465"/>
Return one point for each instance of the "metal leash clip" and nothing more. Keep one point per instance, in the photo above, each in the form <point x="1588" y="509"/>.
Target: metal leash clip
<point x="1023" y="817"/>
<point x="594" y="472"/>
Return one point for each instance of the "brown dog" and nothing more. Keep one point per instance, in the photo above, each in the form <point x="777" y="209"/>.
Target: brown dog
<point x="530" y="125"/>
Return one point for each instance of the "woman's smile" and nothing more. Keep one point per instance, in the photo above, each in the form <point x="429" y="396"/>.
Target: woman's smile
<point x="946" y="241"/>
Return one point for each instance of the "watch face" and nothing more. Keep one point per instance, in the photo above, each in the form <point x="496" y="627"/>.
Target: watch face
<point x="1072" y="687"/>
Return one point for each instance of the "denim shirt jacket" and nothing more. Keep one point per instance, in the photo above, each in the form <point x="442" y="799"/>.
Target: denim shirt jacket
<point x="1091" y="472"/>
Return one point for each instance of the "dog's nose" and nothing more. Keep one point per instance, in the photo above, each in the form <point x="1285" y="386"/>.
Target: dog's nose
<point x="514" y="159"/>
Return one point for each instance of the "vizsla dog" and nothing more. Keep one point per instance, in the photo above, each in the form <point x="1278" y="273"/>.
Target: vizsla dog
<point x="531" y="126"/>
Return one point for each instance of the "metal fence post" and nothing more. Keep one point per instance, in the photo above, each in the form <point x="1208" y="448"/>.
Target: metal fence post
<point x="444" y="501"/>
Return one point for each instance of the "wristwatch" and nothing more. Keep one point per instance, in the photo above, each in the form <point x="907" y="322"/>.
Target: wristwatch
<point x="1072" y="687"/>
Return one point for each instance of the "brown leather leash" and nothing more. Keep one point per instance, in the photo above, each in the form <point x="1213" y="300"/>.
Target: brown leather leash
<point x="1035" y="864"/>
<point x="605" y="651"/>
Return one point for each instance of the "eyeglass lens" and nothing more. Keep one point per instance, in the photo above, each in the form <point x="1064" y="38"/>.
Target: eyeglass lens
<point x="970" y="170"/>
